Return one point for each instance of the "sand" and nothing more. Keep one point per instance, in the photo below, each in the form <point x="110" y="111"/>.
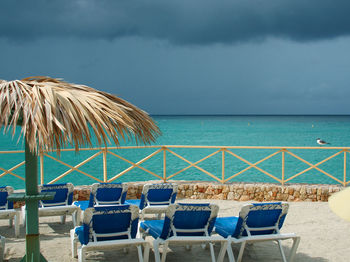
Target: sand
<point x="324" y="237"/>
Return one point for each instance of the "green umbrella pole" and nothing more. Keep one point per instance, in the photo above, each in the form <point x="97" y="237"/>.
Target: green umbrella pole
<point x="32" y="209"/>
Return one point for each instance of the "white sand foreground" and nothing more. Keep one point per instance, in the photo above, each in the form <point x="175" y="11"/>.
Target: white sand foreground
<point x="324" y="237"/>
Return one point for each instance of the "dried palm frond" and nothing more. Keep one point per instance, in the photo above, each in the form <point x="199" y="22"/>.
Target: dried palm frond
<point x="53" y="113"/>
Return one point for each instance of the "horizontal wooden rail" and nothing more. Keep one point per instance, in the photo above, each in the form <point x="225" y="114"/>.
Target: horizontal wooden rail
<point x="166" y="165"/>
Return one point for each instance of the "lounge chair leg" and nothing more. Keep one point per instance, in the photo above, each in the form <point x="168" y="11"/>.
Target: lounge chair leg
<point x="11" y="222"/>
<point x="23" y="216"/>
<point x="212" y="253"/>
<point x="74" y="219"/>
<point x="139" y="253"/>
<point x="293" y="251"/>
<point x="188" y="247"/>
<point x="156" y="251"/>
<point x="126" y="250"/>
<point x="17" y="227"/>
<point x="231" y="257"/>
<point x="241" y="250"/>
<point x="74" y="243"/>
<point x="63" y="219"/>
<point x="165" y="249"/>
<point x="146" y="252"/>
<point x="81" y="255"/>
<point x="222" y="251"/>
<point x="281" y="250"/>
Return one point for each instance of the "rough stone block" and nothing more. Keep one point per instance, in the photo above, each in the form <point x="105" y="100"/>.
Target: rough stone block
<point x="244" y="198"/>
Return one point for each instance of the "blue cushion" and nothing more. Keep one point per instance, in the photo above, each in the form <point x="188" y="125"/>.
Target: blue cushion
<point x="154" y="195"/>
<point x="226" y="226"/>
<point x="105" y="193"/>
<point x="83" y="204"/>
<point x="3" y="196"/>
<point x="188" y="217"/>
<point x="108" y="219"/>
<point x="114" y="222"/>
<point x="83" y="234"/>
<point x="263" y="218"/>
<point x="159" y="195"/>
<point x="107" y="224"/>
<point x="108" y="194"/>
<point x="155" y="227"/>
<point x="190" y="220"/>
<point x="135" y="202"/>
<point x="61" y="193"/>
<point x="273" y="214"/>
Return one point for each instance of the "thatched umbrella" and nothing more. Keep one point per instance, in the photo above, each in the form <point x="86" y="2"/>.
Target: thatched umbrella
<point x="53" y="114"/>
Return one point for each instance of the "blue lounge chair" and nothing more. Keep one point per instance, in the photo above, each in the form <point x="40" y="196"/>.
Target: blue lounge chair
<point x="184" y="224"/>
<point x="108" y="194"/>
<point x="61" y="205"/>
<point x="108" y="228"/>
<point x="6" y="209"/>
<point x="256" y="222"/>
<point x="104" y="194"/>
<point x="155" y="198"/>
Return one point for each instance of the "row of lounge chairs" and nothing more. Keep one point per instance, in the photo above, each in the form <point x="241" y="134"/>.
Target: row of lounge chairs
<point x="110" y="222"/>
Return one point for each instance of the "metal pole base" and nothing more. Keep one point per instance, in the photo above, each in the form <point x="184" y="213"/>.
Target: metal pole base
<point x="42" y="259"/>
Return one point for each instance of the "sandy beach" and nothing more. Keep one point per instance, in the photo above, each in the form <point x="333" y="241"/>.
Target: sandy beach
<point x="324" y="237"/>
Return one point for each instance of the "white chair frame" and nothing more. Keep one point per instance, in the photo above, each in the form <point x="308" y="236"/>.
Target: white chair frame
<point x="13" y="215"/>
<point x="61" y="209"/>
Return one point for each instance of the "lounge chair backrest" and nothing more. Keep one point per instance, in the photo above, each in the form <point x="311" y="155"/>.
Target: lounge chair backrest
<point x="189" y="219"/>
<point x="108" y="194"/>
<point x="260" y="219"/>
<point x="63" y="194"/>
<point x="5" y="191"/>
<point x="158" y="194"/>
<point x="110" y="223"/>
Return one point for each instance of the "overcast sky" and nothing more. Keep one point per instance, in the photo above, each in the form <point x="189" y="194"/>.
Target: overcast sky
<point x="188" y="56"/>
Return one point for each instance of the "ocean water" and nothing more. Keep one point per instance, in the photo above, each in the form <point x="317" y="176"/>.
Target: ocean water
<point x="280" y="131"/>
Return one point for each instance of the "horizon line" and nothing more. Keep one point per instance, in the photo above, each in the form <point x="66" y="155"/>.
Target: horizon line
<point x="249" y="114"/>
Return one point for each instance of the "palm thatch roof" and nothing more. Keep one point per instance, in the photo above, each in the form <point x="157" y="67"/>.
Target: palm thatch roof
<point x="53" y="114"/>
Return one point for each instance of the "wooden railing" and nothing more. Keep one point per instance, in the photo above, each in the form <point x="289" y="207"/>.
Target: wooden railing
<point x="167" y="168"/>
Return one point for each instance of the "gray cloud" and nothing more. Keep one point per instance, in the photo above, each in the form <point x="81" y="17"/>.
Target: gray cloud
<point x="184" y="22"/>
<point x="273" y="77"/>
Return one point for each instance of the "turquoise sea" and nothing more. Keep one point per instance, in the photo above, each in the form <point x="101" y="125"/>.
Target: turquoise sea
<point x="280" y="131"/>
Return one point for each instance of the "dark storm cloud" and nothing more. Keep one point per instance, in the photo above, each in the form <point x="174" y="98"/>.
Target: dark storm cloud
<point x="180" y="22"/>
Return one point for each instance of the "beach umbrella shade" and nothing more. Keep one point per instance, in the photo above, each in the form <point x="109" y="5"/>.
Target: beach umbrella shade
<point x="53" y="114"/>
<point x="340" y="203"/>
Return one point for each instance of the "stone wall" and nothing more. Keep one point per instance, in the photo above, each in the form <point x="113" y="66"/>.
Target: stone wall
<point x="234" y="191"/>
